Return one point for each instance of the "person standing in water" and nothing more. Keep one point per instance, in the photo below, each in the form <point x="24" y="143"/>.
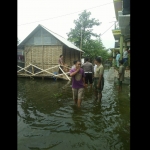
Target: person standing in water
<point x="121" y="73"/>
<point x="125" y="56"/>
<point x="78" y="83"/>
<point x="98" y="79"/>
<point x="61" y="63"/>
<point x="96" y="65"/>
<point x="117" y="59"/>
<point x="89" y="72"/>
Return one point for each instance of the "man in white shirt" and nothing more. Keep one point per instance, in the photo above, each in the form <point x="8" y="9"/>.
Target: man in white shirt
<point x="96" y="65"/>
<point x="117" y="59"/>
<point x="125" y="55"/>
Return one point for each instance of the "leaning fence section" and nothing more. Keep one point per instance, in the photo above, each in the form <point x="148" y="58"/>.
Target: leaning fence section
<point x="35" y="71"/>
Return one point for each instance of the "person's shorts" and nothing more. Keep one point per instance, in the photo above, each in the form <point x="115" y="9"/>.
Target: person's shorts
<point x="77" y="93"/>
<point x="59" y="71"/>
<point x="95" y="82"/>
<point x="88" y="78"/>
<point x="124" y="60"/>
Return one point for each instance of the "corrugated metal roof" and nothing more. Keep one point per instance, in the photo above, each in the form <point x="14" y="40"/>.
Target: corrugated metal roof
<point x="60" y="38"/>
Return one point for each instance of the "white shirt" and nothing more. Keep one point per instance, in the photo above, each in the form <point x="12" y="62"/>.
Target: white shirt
<point x="125" y="54"/>
<point x="95" y="67"/>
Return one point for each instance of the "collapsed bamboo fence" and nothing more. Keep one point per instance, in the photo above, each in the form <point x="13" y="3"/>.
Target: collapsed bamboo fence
<point x="24" y="72"/>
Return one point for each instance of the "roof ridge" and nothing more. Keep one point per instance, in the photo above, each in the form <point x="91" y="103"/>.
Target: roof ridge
<point x="57" y="36"/>
<point x="51" y="31"/>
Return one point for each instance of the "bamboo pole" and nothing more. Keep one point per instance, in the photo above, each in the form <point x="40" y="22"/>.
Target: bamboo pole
<point x="26" y="70"/>
<point x="64" y="73"/>
<point x="42" y="56"/>
<point x="47" y="71"/>
<point x="22" y="68"/>
<point x="44" y="70"/>
<point x="32" y="70"/>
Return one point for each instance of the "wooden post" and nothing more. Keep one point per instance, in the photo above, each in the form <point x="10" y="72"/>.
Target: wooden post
<point x="81" y="39"/>
<point x="42" y="57"/>
<point x="125" y="44"/>
<point x="121" y="47"/>
<point x="113" y="62"/>
<point x="32" y="70"/>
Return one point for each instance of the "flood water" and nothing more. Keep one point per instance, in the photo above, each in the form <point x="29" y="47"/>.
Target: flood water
<point x="48" y="119"/>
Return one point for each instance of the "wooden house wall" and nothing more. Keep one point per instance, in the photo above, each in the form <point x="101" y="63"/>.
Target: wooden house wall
<point x="43" y="50"/>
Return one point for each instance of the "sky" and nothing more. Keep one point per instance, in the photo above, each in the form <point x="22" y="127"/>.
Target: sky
<point x="59" y="15"/>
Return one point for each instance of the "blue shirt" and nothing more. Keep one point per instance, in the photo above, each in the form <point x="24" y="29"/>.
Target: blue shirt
<point x="118" y="57"/>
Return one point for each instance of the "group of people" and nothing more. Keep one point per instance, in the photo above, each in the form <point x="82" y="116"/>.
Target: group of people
<point x="84" y="74"/>
<point x="125" y="57"/>
<point x="121" y="64"/>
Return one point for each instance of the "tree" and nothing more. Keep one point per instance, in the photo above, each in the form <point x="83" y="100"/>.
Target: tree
<point x="82" y="35"/>
<point x="94" y="48"/>
<point x="83" y="29"/>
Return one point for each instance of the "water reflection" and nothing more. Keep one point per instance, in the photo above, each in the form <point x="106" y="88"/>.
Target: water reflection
<point x="48" y="118"/>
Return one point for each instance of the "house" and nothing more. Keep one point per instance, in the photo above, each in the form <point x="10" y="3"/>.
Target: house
<point x="121" y="32"/>
<point x="42" y="49"/>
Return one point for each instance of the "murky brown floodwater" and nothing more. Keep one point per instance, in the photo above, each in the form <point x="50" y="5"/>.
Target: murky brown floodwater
<point x="48" y="118"/>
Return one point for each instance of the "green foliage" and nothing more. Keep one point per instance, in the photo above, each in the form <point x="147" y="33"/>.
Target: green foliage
<point x="94" y="48"/>
<point x="83" y="29"/>
<point x="82" y="35"/>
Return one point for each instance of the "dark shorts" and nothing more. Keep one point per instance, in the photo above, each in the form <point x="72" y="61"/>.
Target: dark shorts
<point x="125" y="59"/>
<point x="88" y="78"/>
<point x="59" y="71"/>
<point x="100" y="89"/>
<point x="119" y="83"/>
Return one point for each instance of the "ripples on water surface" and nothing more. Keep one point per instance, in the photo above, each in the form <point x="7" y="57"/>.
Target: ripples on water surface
<point x="48" y="118"/>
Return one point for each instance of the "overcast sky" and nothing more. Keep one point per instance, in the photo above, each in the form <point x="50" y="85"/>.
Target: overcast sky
<point x="58" y="16"/>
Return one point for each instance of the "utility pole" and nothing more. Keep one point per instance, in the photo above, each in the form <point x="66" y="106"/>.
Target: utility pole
<point x="81" y="39"/>
<point x="99" y="37"/>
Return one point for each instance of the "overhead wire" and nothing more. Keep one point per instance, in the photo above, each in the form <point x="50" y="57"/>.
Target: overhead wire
<point x="107" y="29"/>
<point x="64" y="15"/>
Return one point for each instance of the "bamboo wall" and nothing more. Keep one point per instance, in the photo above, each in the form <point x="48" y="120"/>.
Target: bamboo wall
<point x="43" y="56"/>
<point x="70" y="55"/>
<point x="47" y="56"/>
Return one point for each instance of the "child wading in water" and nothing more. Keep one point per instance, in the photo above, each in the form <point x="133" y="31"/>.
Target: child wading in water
<point x="121" y="72"/>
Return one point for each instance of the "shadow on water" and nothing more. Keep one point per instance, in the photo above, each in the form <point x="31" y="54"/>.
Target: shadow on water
<point x="48" y="119"/>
